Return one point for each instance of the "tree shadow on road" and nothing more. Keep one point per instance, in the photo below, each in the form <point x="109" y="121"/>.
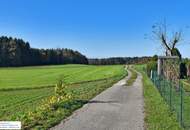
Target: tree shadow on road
<point x="97" y="101"/>
<point x="74" y="104"/>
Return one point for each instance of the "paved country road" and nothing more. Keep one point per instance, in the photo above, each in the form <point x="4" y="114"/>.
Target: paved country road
<point x="117" y="108"/>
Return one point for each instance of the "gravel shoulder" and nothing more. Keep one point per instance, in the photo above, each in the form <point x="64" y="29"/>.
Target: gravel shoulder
<point x="120" y="107"/>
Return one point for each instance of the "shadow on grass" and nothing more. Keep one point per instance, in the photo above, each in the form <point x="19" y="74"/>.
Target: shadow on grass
<point x="74" y="104"/>
<point x="96" y="101"/>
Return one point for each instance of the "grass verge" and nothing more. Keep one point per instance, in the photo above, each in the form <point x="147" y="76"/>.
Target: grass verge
<point x="157" y="113"/>
<point x="186" y="84"/>
<point x="133" y="77"/>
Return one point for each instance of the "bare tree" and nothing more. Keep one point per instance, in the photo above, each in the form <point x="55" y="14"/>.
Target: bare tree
<point x="168" y="40"/>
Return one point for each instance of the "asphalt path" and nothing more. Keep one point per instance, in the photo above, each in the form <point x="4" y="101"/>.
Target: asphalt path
<point x="118" y="108"/>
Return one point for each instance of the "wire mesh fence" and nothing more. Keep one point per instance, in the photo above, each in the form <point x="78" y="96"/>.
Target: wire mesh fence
<point x="175" y="96"/>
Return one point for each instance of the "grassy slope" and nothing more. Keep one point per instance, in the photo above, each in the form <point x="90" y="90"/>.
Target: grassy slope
<point x="27" y="99"/>
<point x="25" y="77"/>
<point x="157" y="113"/>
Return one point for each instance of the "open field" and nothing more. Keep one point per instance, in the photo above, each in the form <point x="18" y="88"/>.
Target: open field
<point x="21" y="88"/>
<point x="31" y="77"/>
<point x="13" y="102"/>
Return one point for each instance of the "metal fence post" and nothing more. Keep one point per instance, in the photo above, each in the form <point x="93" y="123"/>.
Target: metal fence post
<point x="163" y="89"/>
<point x="160" y="85"/>
<point x="181" y="105"/>
<point x="154" y="77"/>
<point x="170" y="95"/>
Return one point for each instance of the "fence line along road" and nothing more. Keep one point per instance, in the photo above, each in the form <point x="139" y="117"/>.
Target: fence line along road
<point x="176" y="97"/>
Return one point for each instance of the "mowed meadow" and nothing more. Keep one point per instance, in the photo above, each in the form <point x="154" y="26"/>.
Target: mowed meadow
<point x="34" y="77"/>
<point x="23" y="88"/>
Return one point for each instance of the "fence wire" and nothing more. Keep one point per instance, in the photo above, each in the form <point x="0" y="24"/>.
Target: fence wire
<point x="175" y="96"/>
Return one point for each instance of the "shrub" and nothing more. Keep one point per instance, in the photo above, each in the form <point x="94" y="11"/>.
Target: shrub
<point x="188" y="69"/>
<point x="176" y="52"/>
<point x="154" y="58"/>
<point x="183" y="70"/>
<point x="152" y="65"/>
<point x="60" y="90"/>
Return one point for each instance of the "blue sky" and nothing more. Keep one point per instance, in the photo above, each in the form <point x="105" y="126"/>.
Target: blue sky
<point x="97" y="28"/>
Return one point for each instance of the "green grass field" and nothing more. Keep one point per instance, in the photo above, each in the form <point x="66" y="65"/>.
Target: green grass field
<point x="21" y="88"/>
<point x="21" y="100"/>
<point x="30" y="77"/>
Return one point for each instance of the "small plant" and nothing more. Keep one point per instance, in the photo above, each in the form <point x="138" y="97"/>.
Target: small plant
<point x="48" y="106"/>
<point x="60" y="89"/>
<point x="152" y="65"/>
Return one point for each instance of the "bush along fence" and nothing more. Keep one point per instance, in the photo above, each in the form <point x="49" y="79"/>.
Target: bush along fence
<point x="175" y="96"/>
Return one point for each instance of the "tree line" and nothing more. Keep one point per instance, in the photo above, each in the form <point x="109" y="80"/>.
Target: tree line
<point x="119" y="60"/>
<point x="17" y="52"/>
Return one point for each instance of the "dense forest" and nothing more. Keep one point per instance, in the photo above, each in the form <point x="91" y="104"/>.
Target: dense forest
<point x="16" y="52"/>
<point x="119" y="60"/>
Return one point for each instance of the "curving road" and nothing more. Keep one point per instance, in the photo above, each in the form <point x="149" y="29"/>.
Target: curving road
<point x="117" y="108"/>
